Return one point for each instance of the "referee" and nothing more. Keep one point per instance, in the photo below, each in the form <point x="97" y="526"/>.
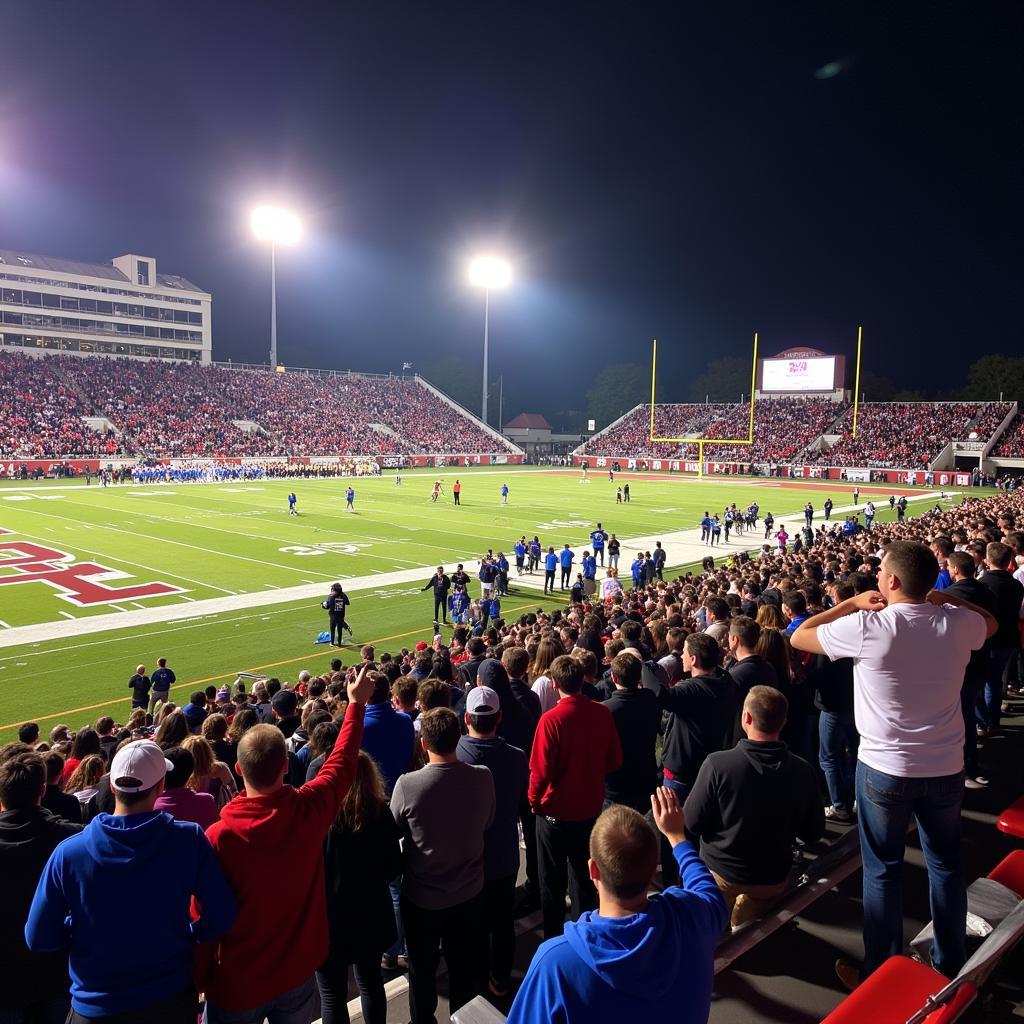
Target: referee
<point x="440" y="584"/>
<point x="335" y="605"/>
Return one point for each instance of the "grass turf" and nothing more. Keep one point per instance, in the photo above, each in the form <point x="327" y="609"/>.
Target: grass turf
<point x="237" y="538"/>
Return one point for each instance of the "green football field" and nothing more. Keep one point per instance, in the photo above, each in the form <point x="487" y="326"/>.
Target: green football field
<point x="95" y="580"/>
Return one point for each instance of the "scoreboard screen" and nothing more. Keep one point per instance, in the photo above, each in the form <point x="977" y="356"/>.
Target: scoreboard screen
<point x="799" y="374"/>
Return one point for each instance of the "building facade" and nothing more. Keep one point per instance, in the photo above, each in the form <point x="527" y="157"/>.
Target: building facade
<point x="121" y="308"/>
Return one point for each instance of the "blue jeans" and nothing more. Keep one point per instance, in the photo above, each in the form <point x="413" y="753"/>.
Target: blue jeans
<point x="398" y="946"/>
<point x="885" y="805"/>
<point x="838" y="741"/>
<point x="296" y="1006"/>
<point x="989" y="702"/>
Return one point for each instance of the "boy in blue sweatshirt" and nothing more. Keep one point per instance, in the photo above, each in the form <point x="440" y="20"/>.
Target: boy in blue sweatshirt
<point x="635" y="958"/>
<point x="79" y="902"/>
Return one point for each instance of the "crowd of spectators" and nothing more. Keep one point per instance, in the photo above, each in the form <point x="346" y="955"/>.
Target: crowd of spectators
<point x="1011" y="444"/>
<point x="168" y="410"/>
<point x="907" y="435"/>
<point x="414" y="778"/>
<point x="898" y="435"/>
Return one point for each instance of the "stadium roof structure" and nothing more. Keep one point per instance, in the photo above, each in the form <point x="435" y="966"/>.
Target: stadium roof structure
<point x="106" y="271"/>
<point x="528" y="421"/>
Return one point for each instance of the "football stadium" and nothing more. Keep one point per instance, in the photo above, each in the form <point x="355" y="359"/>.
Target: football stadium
<point x="644" y="668"/>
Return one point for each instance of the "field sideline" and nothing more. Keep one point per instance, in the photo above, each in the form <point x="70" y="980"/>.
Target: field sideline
<point x="236" y="542"/>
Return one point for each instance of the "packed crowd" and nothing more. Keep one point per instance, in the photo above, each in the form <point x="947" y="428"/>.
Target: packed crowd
<point x="1011" y="444"/>
<point x="420" y="774"/>
<point x="897" y="435"/>
<point x="181" y="410"/>
<point x="905" y="435"/>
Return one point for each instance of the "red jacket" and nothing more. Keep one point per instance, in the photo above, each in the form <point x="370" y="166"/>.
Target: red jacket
<point x="271" y="850"/>
<point x="576" y="745"/>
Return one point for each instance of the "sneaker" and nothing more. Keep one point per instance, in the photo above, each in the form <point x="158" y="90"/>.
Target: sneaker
<point x="977" y="782"/>
<point x="982" y="731"/>
<point x="403" y="961"/>
<point x="848" y="973"/>
<point x="841" y="817"/>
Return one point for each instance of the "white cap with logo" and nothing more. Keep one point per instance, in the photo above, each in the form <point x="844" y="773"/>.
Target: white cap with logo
<point x="137" y="767"/>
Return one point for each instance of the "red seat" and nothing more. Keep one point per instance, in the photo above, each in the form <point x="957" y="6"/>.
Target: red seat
<point x="1010" y="872"/>
<point x="1012" y="819"/>
<point x="897" y="990"/>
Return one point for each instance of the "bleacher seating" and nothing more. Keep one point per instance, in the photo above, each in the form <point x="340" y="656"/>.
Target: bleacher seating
<point x="1011" y="444"/>
<point x="177" y="409"/>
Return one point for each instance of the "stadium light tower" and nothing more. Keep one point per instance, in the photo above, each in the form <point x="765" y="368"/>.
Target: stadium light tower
<point x="278" y="227"/>
<point x="489" y="272"/>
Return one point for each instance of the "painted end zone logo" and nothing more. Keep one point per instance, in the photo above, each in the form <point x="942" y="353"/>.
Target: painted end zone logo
<point x="82" y="584"/>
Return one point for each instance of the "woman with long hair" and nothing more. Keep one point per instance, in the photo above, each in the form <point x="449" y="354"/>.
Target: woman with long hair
<point x="172" y="730"/>
<point x="84" y="784"/>
<point x="85" y="744"/>
<point x="769" y="616"/>
<point x="611" y="588"/>
<point x="208" y="774"/>
<point x="361" y="856"/>
<point x="215" y="731"/>
<point x="548" y="649"/>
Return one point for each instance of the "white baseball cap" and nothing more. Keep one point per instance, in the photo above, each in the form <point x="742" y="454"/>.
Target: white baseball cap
<point x="482" y="700"/>
<point x="137" y="767"/>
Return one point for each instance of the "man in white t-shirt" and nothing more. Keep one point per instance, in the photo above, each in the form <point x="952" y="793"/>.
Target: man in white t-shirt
<point x="910" y="645"/>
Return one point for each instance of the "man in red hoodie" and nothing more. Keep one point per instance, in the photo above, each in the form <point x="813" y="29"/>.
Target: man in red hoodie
<point x="576" y="745"/>
<point x="263" y="967"/>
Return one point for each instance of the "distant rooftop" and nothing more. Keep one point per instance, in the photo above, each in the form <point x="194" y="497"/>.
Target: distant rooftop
<point x="32" y="261"/>
<point x="528" y="421"/>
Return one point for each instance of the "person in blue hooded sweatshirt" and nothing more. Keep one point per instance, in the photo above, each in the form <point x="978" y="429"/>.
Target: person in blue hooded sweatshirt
<point x="635" y="957"/>
<point x="79" y="902"/>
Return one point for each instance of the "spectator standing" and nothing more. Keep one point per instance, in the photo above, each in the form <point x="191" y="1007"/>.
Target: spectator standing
<point x="748" y="668"/>
<point x="140" y="684"/>
<point x="33" y="986"/>
<point x="637" y="719"/>
<point x="180" y="802"/>
<point x="638" y="957"/>
<point x="388" y="735"/>
<point x="78" y="905"/>
<point x="440" y="583"/>
<point x="1008" y="594"/>
<point x="575" y="747"/>
<point x="362" y="845"/>
<point x="747" y="806"/>
<point x="263" y="967"/>
<point x="509" y="771"/>
<point x="162" y="679"/>
<point x="55" y="800"/>
<point x="195" y="712"/>
<point x="910" y="649"/>
<point x="442" y="812"/>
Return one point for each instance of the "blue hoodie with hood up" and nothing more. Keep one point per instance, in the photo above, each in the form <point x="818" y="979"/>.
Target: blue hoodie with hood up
<point x="80" y="901"/>
<point x="656" y="965"/>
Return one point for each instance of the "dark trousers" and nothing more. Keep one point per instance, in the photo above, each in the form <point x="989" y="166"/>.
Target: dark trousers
<point x="563" y="849"/>
<point x="499" y="922"/>
<point x="528" y="821"/>
<point x="566" y="573"/>
<point x="181" y="1008"/>
<point x="549" y="579"/>
<point x="969" y="694"/>
<point x="337" y="628"/>
<point x="458" y="933"/>
<point x="333" y="985"/>
<point x="440" y="604"/>
<point x="457" y="495"/>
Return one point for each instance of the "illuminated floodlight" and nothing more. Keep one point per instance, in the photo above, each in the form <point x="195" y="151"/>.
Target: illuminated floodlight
<point x="490" y="272"/>
<point x="273" y="224"/>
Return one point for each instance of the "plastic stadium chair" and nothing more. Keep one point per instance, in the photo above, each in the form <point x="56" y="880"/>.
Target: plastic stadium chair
<point x="1011" y="820"/>
<point x="1010" y="872"/>
<point x="478" y="1011"/>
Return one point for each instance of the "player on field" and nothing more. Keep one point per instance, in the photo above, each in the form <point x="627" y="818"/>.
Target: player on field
<point x="436" y="491"/>
<point x="584" y="470"/>
<point x="350" y="500"/>
<point x="504" y="494"/>
<point x="292" y="502"/>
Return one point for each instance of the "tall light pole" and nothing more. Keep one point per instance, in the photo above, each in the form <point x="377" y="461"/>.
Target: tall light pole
<point x="488" y="272"/>
<point x="278" y="227"/>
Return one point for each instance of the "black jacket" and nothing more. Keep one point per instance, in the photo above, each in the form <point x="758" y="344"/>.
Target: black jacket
<point x="1008" y="594"/>
<point x="702" y="719"/>
<point x="62" y="805"/>
<point x="753" y="671"/>
<point x="357" y="869"/>
<point x="440" y="585"/>
<point x="747" y="806"/>
<point x="27" y="838"/>
<point x="637" y="718"/>
<point x="832" y="682"/>
<point x="977" y="593"/>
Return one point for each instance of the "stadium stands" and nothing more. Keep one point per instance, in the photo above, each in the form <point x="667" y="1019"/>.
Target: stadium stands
<point x="896" y="435"/>
<point x="1011" y="444"/>
<point x="166" y="409"/>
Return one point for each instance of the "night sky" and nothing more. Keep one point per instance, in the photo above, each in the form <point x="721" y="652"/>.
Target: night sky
<point x="676" y="170"/>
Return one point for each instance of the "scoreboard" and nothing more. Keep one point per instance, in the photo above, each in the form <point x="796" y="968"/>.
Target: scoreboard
<point x="800" y="371"/>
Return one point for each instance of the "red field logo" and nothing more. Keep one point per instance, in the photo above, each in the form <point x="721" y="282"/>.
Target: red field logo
<point x="81" y="584"/>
